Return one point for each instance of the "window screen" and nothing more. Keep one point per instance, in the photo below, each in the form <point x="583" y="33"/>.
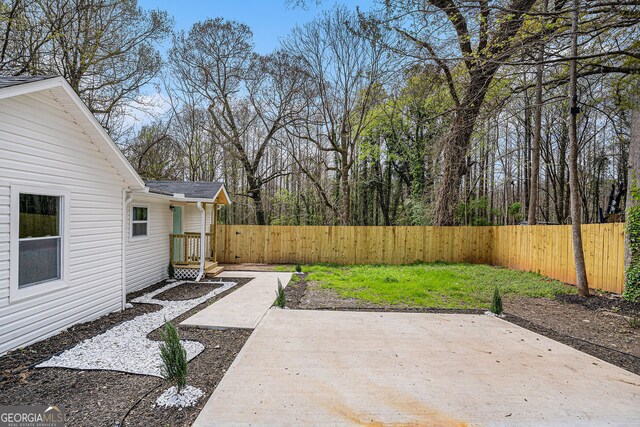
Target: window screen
<point x="40" y="240"/>
<point x="139" y="221"/>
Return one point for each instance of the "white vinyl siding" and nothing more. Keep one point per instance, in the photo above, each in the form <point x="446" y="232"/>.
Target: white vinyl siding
<point x="191" y="218"/>
<point x="147" y="258"/>
<point x="41" y="145"/>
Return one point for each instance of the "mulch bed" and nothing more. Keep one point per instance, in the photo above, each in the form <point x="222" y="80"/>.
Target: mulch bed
<point x="188" y="290"/>
<point x="105" y="397"/>
<point x="610" y="302"/>
<point x="596" y="325"/>
<point x="294" y="291"/>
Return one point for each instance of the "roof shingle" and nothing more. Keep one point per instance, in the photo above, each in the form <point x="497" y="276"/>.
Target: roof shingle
<point x="7" y="81"/>
<point x="190" y="189"/>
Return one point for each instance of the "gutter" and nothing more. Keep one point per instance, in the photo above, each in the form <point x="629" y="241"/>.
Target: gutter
<point x="203" y="236"/>
<point x="126" y="200"/>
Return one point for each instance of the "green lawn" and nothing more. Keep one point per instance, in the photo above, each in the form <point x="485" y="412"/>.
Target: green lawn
<point x="436" y="285"/>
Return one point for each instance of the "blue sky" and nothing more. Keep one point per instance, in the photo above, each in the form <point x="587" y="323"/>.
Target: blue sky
<point x="270" y="20"/>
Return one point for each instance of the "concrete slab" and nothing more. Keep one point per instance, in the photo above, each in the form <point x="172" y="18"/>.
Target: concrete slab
<point x="365" y="368"/>
<point x="244" y="307"/>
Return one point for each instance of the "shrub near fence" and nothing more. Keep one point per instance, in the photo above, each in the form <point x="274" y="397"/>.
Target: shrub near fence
<point x="545" y="249"/>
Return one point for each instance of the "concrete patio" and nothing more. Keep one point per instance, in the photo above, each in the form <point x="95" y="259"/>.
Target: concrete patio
<point x="244" y="307"/>
<point x="366" y="368"/>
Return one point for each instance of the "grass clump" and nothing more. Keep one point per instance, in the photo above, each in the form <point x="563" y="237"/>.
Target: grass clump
<point x="281" y="298"/>
<point x="496" y="302"/>
<point x="434" y="285"/>
<point x="174" y="357"/>
<point x="298" y="268"/>
<point x="633" y="322"/>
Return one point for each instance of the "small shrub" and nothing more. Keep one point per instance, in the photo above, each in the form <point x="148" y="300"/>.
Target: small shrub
<point x="281" y="298"/>
<point x="174" y="357"/>
<point x="298" y="268"/>
<point x="171" y="271"/>
<point x="496" y="302"/>
<point x="634" y="321"/>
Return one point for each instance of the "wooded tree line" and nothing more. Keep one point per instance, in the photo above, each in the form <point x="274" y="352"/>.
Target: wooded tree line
<point x="419" y="112"/>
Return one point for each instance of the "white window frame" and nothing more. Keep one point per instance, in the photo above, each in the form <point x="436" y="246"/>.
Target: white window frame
<point x="15" y="293"/>
<point x="131" y="222"/>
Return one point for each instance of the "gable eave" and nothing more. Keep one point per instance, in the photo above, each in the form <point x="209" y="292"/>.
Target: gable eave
<point x="74" y="106"/>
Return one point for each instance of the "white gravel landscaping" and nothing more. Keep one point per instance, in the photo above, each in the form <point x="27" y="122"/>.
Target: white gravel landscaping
<point x="489" y="313"/>
<point x="125" y="347"/>
<point x="172" y="399"/>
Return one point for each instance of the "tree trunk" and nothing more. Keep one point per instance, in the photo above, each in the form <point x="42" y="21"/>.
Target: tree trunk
<point x="255" y="192"/>
<point x="346" y="190"/>
<point x="576" y="232"/>
<point x="537" y="131"/>
<point x="632" y="176"/>
<point x="457" y="144"/>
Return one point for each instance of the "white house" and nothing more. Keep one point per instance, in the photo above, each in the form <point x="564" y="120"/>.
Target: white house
<point x="78" y="227"/>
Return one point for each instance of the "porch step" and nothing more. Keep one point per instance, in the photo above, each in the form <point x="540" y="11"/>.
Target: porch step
<point x="214" y="271"/>
<point x="209" y="265"/>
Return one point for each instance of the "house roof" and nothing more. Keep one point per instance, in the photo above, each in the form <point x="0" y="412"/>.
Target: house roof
<point x="57" y="88"/>
<point x="191" y="189"/>
<point x="6" y="81"/>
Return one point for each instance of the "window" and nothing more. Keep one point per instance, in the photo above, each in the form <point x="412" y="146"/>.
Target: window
<point x="139" y="221"/>
<point x="39" y="240"/>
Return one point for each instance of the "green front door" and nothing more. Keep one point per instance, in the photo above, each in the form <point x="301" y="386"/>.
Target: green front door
<point x="177" y="229"/>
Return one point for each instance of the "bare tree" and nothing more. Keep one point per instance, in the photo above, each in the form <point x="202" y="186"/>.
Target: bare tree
<point x="154" y="153"/>
<point x="248" y="96"/>
<point x="105" y="49"/>
<point x="24" y="33"/>
<point x="576" y="220"/>
<point x="343" y="69"/>
<point x="537" y="128"/>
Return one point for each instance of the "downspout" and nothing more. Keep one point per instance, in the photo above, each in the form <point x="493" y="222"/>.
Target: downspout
<point x="126" y="199"/>
<point x="203" y="236"/>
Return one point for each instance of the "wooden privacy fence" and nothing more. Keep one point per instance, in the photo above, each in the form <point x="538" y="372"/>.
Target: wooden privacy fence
<point x="544" y="249"/>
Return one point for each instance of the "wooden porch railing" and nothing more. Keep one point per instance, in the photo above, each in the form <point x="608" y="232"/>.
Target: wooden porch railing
<point x="185" y="248"/>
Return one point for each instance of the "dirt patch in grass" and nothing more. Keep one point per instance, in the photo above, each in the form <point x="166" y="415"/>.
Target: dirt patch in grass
<point x="188" y="290"/>
<point x="104" y="397"/>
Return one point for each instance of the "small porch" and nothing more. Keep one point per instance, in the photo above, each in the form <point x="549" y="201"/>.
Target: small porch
<point x="186" y="250"/>
<point x="192" y="241"/>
